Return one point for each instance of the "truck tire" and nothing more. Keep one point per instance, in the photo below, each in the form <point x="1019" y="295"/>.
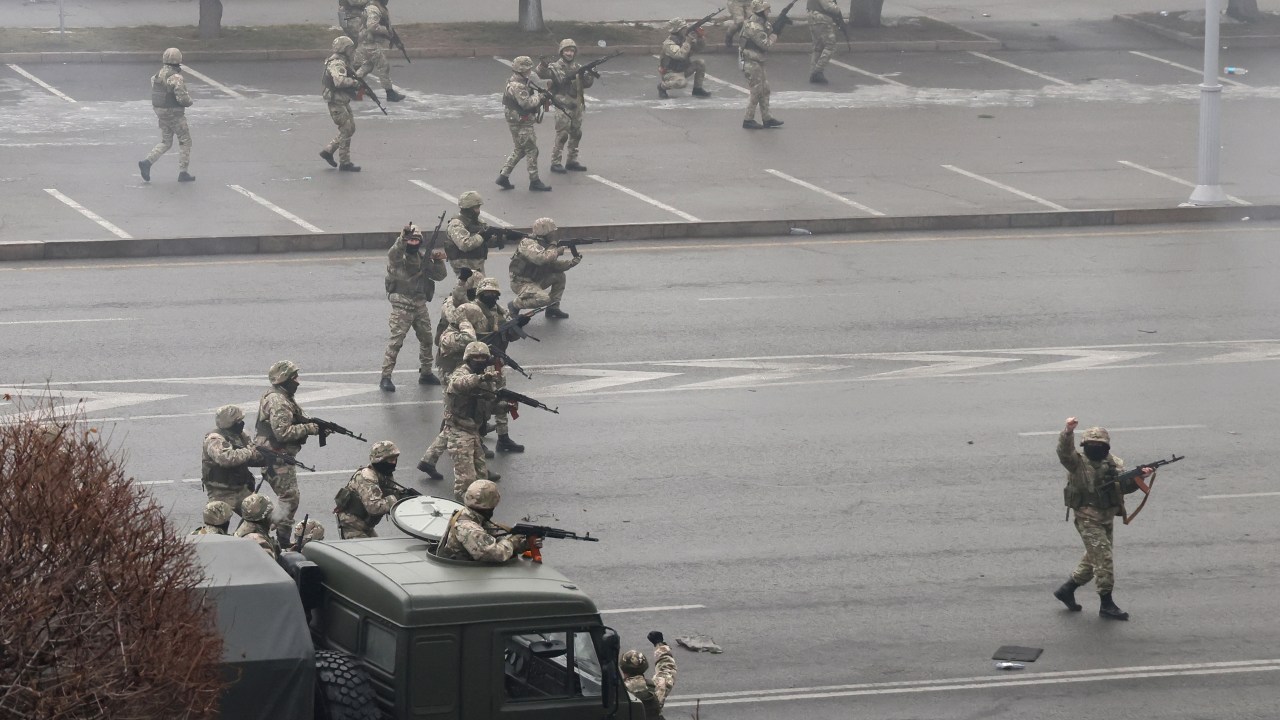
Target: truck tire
<point x="343" y="689"/>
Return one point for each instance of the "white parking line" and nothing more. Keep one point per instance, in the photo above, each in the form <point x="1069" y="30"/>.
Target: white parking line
<point x="1174" y="178"/>
<point x="1120" y="429"/>
<point x="277" y="209"/>
<point x="1240" y="495"/>
<point x="507" y="62"/>
<point x="1006" y="188"/>
<point x="722" y="81"/>
<point x="824" y="192"/>
<point x="658" y="608"/>
<point x="89" y="214"/>
<point x="646" y="198"/>
<point x="210" y="81"/>
<point x="59" y="322"/>
<point x="1199" y="72"/>
<point x="491" y="219"/>
<point x="40" y="82"/>
<point x="1019" y="68"/>
<point x="868" y="73"/>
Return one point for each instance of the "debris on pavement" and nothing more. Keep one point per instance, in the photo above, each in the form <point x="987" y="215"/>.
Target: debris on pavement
<point x="1017" y="653"/>
<point x="699" y="643"/>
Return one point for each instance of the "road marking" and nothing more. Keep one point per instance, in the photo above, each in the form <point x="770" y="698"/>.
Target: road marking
<point x="599" y="379"/>
<point x="1239" y="495"/>
<point x="59" y="322"/>
<point x="89" y="214"/>
<point x="646" y="198"/>
<point x="1174" y="178"/>
<point x="1019" y="68"/>
<point x="491" y="219"/>
<point x="1188" y="68"/>
<point x="656" y="608"/>
<point x="507" y="62"/>
<point x="41" y="83"/>
<point x="277" y="209"/>
<point x="979" y="683"/>
<point x="722" y="81"/>
<point x="824" y="192"/>
<point x="210" y="81"/>
<point x="868" y="73"/>
<point x="1142" y="428"/>
<point x="775" y="297"/>
<point x="1007" y="188"/>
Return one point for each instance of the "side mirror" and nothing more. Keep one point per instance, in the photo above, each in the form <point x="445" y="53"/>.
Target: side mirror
<point x="608" y="647"/>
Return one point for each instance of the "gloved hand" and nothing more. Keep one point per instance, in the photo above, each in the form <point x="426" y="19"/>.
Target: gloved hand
<point x="655" y="637"/>
<point x="391" y="499"/>
<point x="465" y="273"/>
<point x="313" y="429"/>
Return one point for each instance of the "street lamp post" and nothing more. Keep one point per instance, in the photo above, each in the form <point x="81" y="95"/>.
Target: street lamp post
<point x="1208" y="189"/>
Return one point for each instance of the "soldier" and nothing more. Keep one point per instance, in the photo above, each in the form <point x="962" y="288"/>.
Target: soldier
<point x="568" y="85"/>
<point x="340" y="83"/>
<point x="486" y="315"/>
<point x="366" y="498"/>
<point x="226" y="458"/>
<point x="282" y="426"/>
<point x="678" y="63"/>
<point x="374" y="41"/>
<point x="452" y="337"/>
<point x="753" y="46"/>
<point x="410" y="285"/>
<point x="306" y="532"/>
<point x="170" y="100"/>
<point x="217" y="518"/>
<point x="537" y="271"/>
<point x="267" y="544"/>
<point x="468" y="402"/>
<point x="737" y="18"/>
<point x="468" y="237"/>
<point x="257" y="521"/>
<point x="1096" y="508"/>
<point x="351" y="17"/>
<point x="824" y="18"/>
<point x="472" y="534"/>
<point x="523" y="107"/>
<point x="652" y="693"/>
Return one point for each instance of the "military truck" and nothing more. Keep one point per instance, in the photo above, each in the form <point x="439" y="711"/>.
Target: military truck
<point x="396" y="632"/>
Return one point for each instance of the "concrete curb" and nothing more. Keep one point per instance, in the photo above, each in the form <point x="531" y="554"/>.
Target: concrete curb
<point x="330" y="242"/>
<point x="1197" y="41"/>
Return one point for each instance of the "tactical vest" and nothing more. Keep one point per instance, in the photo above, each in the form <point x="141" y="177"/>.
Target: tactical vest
<point x="327" y="80"/>
<point x="161" y="94"/>
<point x="648" y="698"/>
<point x="453" y="252"/>
<point x="568" y="88"/>
<point x="348" y="501"/>
<point x="263" y="424"/>
<point x="226" y="478"/>
<point x="468" y="410"/>
<point x="417" y="284"/>
<point x="521" y="268"/>
<point x="671" y="64"/>
<point x="509" y="102"/>
<point x="1078" y="493"/>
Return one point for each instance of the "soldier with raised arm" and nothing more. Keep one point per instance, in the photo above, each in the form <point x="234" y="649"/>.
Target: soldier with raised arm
<point x="651" y="693"/>
<point x="410" y="284"/>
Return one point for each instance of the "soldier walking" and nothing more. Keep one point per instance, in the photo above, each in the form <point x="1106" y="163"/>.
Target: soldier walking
<point x="283" y="428"/>
<point x="678" y="62"/>
<point x="824" y="19"/>
<point x="468" y="402"/>
<point x="351" y="17"/>
<point x="366" y="498"/>
<point x="568" y="85"/>
<point x="410" y="285"/>
<point x="170" y="100"/>
<point x="537" y="271"/>
<point x="523" y="107"/>
<point x="468" y="238"/>
<point x="753" y="44"/>
<point x="340" y="83"/>
<point x="373" y="43"/>
<point x="226" y="458"/>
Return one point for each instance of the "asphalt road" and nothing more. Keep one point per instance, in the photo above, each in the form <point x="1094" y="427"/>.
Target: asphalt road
<point x="840" y="450"/>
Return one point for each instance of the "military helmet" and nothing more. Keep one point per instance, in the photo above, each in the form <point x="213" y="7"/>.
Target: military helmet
<point x="475" y="349"/>
<point x="342" y="44"/>
<point x="228" y="415"/>
<point x="676" y="25"/>
<point x="1096" y="435"/>
<point x="382" y="450"/>
<point x="488" y="285"/>
<point x="282" y="371"/>
<point x="544" y="226"/>
<point x="313" y="530"/>
<point x="522" y="64"/>
<point x="568" y="43"/>
<point x="482" y="495"/>
<point x="633" y="662"/>
<point x="172" y="56"/>
<point x="217" y="513"/>
<point x="760" y="6"/>
<point x="255" y="508"/>
<point x="469" y="199"/>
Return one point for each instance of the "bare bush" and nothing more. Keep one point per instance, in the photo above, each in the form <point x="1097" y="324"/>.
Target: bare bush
<point x="99" y="615"/>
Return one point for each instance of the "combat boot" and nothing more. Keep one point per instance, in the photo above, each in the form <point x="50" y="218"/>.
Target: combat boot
<point x="558" y="168"/>
<point x="1109" y="610"/>
<point x="428" y="378"/>
<point x="488" y="454"/>
<point x="504" y="182"/>
<point x="576" y="166"/>
<point x="393" y="96"/>
<point x="349" y="167"/>
<point x="1067" y="594"/>
<point x="555" y="313"/>
<point x="662" y="92"/>
<point x="751" y="125"/>
<point x="328" y="157"/>
<point x="495" y="477"/>
<point x="387" y="385"/>
<point x="538" y="185"/>
<point x="699" y="92"/>
<point x="506" y="444"/>
<point x="817" y="78"/>
<point x="430" y="470"/>
<point x="185" y="176"/>
<point x="773" y="123"/>
<point x="145" y="167"/>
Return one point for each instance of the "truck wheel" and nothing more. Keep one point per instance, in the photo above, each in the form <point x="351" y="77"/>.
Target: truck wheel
<point x="343" y="689"/>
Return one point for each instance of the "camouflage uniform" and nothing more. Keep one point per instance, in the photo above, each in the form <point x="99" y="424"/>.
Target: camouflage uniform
<point x="362" y="502"/>
<point x="472" y="535"/>
<point x="453" y="335"/>
<point x="282" y="427"/>
<point x="410" y="285"/>
<point x="652" y="693"/>
<point x="312" y="530"/>
<point x="257" y="521"/>
<point x="217" y="515"/>
<point x="468" y="402"/>
<point x="351" y="14"/>
<point x="537" y="268"/>
<point x="678" y="62"/>
<point x="1095" y="509"/>
<point x="822" y="26"/>
<point x="170" y="100"/>
<point x="568" y="87"/>
<point x="339" y="89"/>
<point x="754" y="44"/>
<point x="466" y="244"/>
<point x="485" y="320"/>
<point x="523" y="108"/>
<point x="737" y="18"/>
<point x="372" y="45"/>
<point x="226" y="458"/>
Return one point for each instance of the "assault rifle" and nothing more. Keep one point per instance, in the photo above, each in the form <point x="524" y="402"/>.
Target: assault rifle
<point x="782" y="21"/>
<point x="401" y="491"/>
<point x="515" y="325"/>
<point x="275" y="457"/>
<point x="512" y="396"/>
<point x="435" y="235"/>
<point x="547" y="96"/>
<point x="1130" y="480"/>
<point x="395" y="37"/>
<point x="503" y="235"/>
<point x="844" y="28"/>
<point x="507" y="360"/>
<point x="328" y="427"/>
<point x="302" y="537"/>
<point x="698" y="25"/>
<point x="365" y="86"/>
<point x="591" y="66"/>
<point x="537" y="532"/>
<point x="574" y="243"/>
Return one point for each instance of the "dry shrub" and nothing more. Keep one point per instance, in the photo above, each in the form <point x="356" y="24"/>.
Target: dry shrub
<point x="99" y="615"/>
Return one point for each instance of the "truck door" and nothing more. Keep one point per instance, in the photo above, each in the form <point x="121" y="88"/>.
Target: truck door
<point x="552" y="673"/>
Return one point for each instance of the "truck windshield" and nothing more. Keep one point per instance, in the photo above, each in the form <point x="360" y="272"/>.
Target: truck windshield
<point x="551" y="665"/>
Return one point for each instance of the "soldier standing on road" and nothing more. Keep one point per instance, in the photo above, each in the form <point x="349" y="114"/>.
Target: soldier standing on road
<point x="340" y="83"/>
<point x="468" y="402"/>
<point x="257" y="521"/>
<point x="452" y="337"/>
<point x="170" y="100"/>
<point x="753" y="46"/>
<point x="523" y="107"/>
<point x="227" y="455"/>
<point x="824" y="18"/>
<point x="678" y="62"/>
<point x="351" y="17"/>
<point x="374" y="42"/>
<point x="282" y="427"/>
<point x="472" y="534"/>
<point x="1096" y="505"/>
<point x="410" y="285"/>
<point x="217" y="518"/>
<point x="486" y="315"/>
<point x="468" y="239"/>
<point x="366" y="499"/>
<point x="738" y="10"/>
<point x="652" y="693"/>
<point x="568" y="85"/>
<point x="537" y="271"/>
